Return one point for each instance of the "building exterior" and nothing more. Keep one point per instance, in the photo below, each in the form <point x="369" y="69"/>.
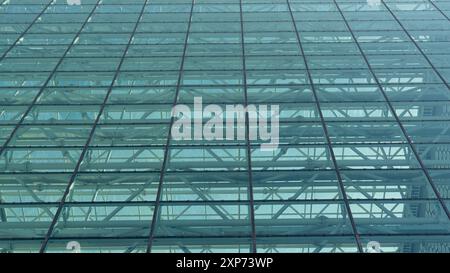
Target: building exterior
<point x="87" y="89"/>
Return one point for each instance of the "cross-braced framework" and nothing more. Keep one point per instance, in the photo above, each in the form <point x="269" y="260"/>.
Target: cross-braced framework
<point x="86" y="153"/>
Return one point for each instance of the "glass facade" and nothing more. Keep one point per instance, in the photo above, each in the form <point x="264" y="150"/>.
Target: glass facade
<point x="87" y="89"/>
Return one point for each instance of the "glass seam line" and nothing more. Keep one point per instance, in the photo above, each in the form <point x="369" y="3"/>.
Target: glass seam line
<point x="231" y="21"/>
<point x="285" y="122"/>
<point x="436" y="7"/>
<point x="219" y="70"/>
<point x="163" y="103"/>
<point x="169" y="136"/>
<point x="332" y="155"/>
<point x="84" y="151"/>
<point x="410" y="37"/>
<point x="262" y="201"/>
<point x="218" y="145"/>
<point x="87" y="105"/>
<point x="223" y="85"/>
<point x="404" y="54"/>
<point x="278" y="236"/>
<point x="402" y="128"/>
<point x="226" y="44"/>
<point x="258" y="171"/>
<point x="229" y="32"/>
<point x="219" y="3"/>
<point x="247" y="136"/>
<point x="232" y="12"/>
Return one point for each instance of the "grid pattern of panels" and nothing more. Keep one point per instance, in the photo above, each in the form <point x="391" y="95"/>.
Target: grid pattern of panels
<point x="86" y="93"/>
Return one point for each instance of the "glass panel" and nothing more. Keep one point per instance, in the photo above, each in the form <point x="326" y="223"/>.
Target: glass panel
<point x="86" y="127"/>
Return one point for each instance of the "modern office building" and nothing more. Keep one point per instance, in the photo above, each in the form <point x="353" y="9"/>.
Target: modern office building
<point x="87" y="157"/>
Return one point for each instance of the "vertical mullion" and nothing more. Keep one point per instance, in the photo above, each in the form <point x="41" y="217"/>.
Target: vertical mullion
<point x="91" y="134"/>
<point x="327" y="136"/>
<point x="436" y="7"/>
<point x="42" y="88"/>
<point x="247" y="136"/>
<point x="22" y="118"/>
<point x="392" y="109"/>
<point x="26" y="30"/>
<point x="157" y="207"/>
<point x="415" y="44"/>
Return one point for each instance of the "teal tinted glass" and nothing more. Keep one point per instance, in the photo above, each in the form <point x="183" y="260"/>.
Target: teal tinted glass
<point x="86" y="95"/>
